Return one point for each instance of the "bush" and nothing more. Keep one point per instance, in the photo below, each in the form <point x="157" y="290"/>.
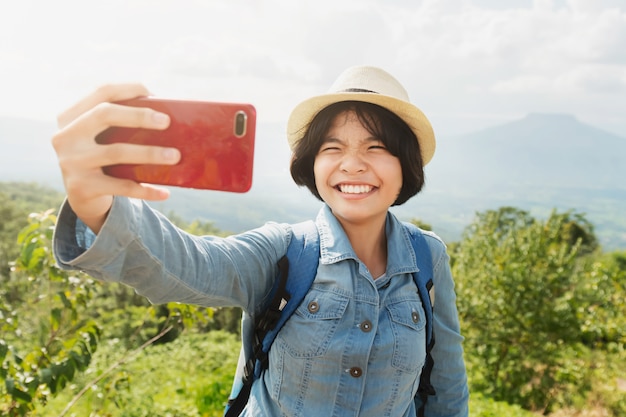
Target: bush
<point x="481" y="406"/>
<point x="190" y="376"/>
<point x="525" y="301"/>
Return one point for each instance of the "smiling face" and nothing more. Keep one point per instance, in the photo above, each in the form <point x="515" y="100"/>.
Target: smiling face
<point x="355" y="173"/>
<point x="379" y="123"/>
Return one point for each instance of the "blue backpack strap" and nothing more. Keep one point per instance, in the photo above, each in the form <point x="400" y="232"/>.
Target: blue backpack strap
<point x="297" y="270"/>
<point x="424" y="281"/>
<point x="303" y="255"/>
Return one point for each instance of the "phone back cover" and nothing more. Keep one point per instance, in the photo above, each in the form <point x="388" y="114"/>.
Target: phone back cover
<point x="212" y="156"/>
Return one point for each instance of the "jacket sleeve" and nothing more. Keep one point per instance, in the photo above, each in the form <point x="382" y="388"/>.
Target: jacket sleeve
<point x="448" y="378"/>
<point x="139" y="247"/>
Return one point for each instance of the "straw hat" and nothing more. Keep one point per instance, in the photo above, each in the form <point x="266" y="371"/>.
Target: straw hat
<point x="371" y="85"/>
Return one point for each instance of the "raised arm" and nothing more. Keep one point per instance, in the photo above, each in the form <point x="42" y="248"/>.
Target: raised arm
<point x="89" y="191"/>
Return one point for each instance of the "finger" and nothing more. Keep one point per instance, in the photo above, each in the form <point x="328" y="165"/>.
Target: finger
<point x="126" y="153"/>
<point x="85" y="163"/>
<point x="142" y="191"/>
<point x="75" y="145"/>
<point x="105" y="93"/>
<point x="90" y="160"/>
<point x="150" y="192"/>
<point x="105" y="115"/>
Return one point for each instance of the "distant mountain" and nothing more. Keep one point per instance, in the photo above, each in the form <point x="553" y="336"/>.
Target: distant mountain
<point x="537" y="163"/>
<point x="541" y="149"/>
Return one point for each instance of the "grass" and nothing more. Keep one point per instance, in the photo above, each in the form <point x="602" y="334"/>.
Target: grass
<point x="191" y="377"/>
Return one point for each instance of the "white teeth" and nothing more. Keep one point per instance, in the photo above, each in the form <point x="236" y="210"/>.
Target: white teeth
<point x="355" y="189"/>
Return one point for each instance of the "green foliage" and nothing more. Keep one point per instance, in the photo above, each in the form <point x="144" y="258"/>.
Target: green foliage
<point x="225" y="318"/>
<point x="617" y="260"/>
<point x="190" y="376"/>
<point x="421" y="224"/>
<point x="481" y="406"/>
<point x="196" y="227"/>
<point x="65" y="339"/>
<point x="12" y="219"/>
<point x="17" y="201"/>
<point x="601" y="310"/>
<point x="542" y="310"/>
<point x="64" y="329"/>
<point x="524" y="298"/>
<point x="31" y="197"/>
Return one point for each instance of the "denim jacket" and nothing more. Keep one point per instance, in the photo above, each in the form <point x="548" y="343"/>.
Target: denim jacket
<point x="354" y="347"/>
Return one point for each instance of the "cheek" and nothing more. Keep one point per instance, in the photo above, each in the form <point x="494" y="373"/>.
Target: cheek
<point x="316" y="171"/>
<point x="318" y="174"/>
<point x="395" y="169"/>
<point x="320" y="170"/>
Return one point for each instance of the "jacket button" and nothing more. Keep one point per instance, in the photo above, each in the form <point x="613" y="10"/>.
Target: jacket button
<point x="313" y="307"/>
<point x="415" y="316"/>
<point x="356" y="372"/>
<point x="366" y="326"/>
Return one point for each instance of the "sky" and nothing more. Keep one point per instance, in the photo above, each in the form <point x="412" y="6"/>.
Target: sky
<point x="468" y="64"/>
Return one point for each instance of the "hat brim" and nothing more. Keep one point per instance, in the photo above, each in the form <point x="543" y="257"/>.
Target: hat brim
<point x="304" y="112"/>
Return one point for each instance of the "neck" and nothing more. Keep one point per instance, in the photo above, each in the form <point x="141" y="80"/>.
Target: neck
<point x="369" y="242"/>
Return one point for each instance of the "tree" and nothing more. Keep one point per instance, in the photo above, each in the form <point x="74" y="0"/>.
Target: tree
<point x="601" y="307"/>
<point x="17" y="200"/>
<point x="12" y="219"/>
<point x="421" y="224"/>
<point x="517" y="280"/>
<point x="65" y="339"/>
<point x="49" y="327"/>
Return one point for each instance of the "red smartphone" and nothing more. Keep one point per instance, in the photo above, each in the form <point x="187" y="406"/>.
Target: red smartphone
<point x="216" y="141"/>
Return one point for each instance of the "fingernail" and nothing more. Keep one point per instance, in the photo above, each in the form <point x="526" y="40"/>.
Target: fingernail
<point x="161" y="119"/>
<point x="171" y="154"/>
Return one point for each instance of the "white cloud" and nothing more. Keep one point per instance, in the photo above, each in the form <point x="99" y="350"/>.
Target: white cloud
<point x="489" y="56"/>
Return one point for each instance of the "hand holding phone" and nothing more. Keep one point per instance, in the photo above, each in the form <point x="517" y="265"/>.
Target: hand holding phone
<point x="90" y="192"/>
<point x="216" y="141"/>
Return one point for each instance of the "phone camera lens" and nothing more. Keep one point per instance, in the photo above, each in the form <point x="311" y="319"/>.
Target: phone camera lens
<point x="240" y="124"/>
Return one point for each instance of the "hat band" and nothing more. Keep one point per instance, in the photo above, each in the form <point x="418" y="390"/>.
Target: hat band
<point x="357" y="90"/>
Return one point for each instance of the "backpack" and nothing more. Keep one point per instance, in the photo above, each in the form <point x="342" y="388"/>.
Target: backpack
<point x="297" y="270"/>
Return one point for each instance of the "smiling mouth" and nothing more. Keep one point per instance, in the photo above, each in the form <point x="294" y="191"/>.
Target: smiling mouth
<point x="354" y="189"/>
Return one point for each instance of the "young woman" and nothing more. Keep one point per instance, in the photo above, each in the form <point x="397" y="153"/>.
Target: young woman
<point x="360" y="149"/>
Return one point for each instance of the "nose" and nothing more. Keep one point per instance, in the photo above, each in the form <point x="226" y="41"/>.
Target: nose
<point x="353" y="162"/>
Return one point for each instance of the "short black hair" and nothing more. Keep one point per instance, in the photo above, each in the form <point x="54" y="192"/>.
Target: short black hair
<point x="381" y="123"/>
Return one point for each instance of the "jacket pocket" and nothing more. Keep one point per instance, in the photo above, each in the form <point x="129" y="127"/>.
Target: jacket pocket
<point x="408" y="323"/>
<point x="310" y="329"/>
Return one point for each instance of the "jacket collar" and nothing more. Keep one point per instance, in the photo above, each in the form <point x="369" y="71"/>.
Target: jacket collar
<point x="335" y="246"/>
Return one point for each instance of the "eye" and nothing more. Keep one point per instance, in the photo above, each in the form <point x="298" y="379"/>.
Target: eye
<point x="328" y="148"/>
<point x="376" y="146"/>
